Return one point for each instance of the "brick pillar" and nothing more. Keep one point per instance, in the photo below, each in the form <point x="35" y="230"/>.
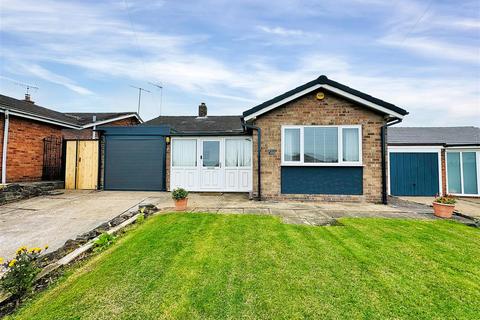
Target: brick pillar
<point x="443" y="165"/>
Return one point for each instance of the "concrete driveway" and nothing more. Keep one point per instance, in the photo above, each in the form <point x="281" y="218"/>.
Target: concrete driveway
<point x="52" y="220"/>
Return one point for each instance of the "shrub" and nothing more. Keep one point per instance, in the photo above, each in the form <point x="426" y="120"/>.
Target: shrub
<point x="140" y="219"/>
<point x="21" y="271"/>
<point x="445" y="200"/>
<point x="179" y="194"/>
<point x="104" y="241"/>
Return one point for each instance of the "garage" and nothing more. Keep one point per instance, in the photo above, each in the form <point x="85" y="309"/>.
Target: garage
<point x="134" y="158"/>
<point x="414" y="172"/>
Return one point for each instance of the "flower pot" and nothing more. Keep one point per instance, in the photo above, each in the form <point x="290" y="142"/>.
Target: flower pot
<point x="181" y="204"/>
<point x="443" y="210"/>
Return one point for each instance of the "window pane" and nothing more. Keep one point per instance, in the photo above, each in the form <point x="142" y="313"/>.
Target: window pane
<point x="351" y="150"/>
<point x="469" y="164"/>
<point x="238" y="153"/>
<point x="184" y="153"/>
<point x="320" y="145"/>
<point x="292" y="145"/>
<point x="211" y="153"/>
<point x="453" y="169"/>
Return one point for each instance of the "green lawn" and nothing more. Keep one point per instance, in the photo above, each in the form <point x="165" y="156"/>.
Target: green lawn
<point x="235" y="266"/>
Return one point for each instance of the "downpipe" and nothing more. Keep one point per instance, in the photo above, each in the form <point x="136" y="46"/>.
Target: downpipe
<point x="5" y="146"/>
<point x="259" y="143"/>
<point x="383" y="137"/>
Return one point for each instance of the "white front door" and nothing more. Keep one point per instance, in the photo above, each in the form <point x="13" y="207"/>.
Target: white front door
<point x="211" y="158"/>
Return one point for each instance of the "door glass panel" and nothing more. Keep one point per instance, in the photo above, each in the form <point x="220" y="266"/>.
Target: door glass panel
<point x="211" y="153"/>
<point x="469" y="173"/>
<point x="453" y="169"/>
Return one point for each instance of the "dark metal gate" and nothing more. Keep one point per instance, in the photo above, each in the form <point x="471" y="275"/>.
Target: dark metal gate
<point x="52" y="158"/>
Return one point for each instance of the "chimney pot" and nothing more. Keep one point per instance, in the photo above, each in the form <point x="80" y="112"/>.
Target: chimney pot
<point x="28" y="98"/>
<point x="202" y="110"/>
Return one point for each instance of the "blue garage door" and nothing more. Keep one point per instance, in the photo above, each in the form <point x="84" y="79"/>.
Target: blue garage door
<point x="135" y="163"/>
<point x="414" y="174"/>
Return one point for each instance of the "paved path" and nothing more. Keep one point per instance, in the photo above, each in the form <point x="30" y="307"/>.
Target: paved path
<point x="309" y="213"/>
<point x="467" y="206"/>
<point x="52" y="220"/>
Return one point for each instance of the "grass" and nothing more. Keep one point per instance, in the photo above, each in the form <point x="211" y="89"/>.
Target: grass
<point x="236" y="266"/>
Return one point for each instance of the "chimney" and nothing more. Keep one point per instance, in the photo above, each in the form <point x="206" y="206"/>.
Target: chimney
<point x="202" y="110"/>
<point x="28" y="99"/>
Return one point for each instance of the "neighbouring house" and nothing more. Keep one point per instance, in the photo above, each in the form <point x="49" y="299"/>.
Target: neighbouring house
<point x="425" y="161"/>
<point x="31" y="137"/>
<point x="320" y="141"/>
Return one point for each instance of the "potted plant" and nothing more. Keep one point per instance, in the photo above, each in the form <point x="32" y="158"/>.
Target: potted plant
<point x="179" y="195"/>
<point x="443" y="206"/>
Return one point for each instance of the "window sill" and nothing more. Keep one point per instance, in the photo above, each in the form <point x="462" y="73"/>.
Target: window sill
<point x="322" y="165"/>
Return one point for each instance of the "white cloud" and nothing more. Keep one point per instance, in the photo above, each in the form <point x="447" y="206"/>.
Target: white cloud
<point x="437" y="49"/>
<point x="279" y="31"/>
<point x="47" y="75"/>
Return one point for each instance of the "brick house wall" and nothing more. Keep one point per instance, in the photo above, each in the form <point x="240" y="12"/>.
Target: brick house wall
<point x="307" y="110"/>
<point x="25" y="147"/>
<point x="72" y="134"/>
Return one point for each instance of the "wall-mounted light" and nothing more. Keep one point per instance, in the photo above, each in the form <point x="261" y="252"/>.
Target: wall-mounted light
<point x="167" y="140"/>
<point x="320" y="95"/>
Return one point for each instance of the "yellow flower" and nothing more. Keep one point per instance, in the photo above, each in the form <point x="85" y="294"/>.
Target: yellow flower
<point x="12" y="262"/>
<point x="1" y="260"/>
<point x="21" y="249"/>
<point x="46" y="247"/>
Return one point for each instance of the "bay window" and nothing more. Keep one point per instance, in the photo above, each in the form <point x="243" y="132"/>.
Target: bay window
<point x="321" y="145"/>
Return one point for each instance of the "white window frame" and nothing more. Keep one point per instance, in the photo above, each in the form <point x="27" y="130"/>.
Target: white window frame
<point x="477" y="158"/>
<point x="340" y="162"/>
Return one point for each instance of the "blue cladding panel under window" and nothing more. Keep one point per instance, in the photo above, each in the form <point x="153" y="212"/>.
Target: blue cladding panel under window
<point x="322" y="180"/>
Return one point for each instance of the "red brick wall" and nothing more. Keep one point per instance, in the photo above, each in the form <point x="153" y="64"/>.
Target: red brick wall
<point x="87" y="133"/>
<point x="25" y="148"/>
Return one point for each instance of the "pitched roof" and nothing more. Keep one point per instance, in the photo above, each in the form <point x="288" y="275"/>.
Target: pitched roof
<point x="329" y="85"/>
<point x="211" y="125"/>
<point x="448" y="136"/>
<point x="69" y="119"/>
<point x="84" y="118"/>
<point x="31" y="109"/>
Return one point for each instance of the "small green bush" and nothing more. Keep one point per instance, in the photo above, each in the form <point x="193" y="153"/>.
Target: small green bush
<point x="140" y="219"/>
<point x="104" y="241"/>
<point x="21" y="271"/>
<point x="445" y="200"/>
<point x="179" y="194"/>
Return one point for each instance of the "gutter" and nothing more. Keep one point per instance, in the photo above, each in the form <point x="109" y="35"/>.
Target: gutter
<point x="383" y="139"/>
<point x="5" y="146"/>
<point x="259" y="154"/>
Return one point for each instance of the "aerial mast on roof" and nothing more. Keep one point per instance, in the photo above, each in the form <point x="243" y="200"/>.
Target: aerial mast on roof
<point x="140" y="96"/>
<point x="27" y="87"/>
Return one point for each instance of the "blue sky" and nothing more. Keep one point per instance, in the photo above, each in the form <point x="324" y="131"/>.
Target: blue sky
<point x="423" y="56"/>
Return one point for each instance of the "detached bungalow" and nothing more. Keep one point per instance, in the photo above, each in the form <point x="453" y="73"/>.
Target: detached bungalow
<point x="437" y="160"/>
<point x="322" y="141"/>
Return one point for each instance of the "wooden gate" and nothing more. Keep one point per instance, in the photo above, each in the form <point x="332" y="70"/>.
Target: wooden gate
<point x="81" y="164"/>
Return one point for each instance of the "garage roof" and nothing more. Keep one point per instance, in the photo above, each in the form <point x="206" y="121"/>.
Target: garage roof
<point x="447" y="136"/>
